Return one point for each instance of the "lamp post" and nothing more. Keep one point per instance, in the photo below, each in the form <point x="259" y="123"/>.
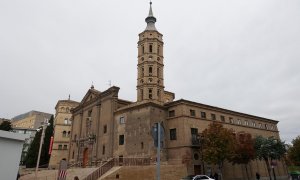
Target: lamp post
<point x="44" y="126"/>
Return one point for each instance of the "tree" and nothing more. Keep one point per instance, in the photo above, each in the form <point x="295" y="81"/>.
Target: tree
<point x="243" y="150"/>
<point x="269" y="149"/>
<point x="32" y="155"/>
<point x="6" y="126"/>
<point x="294" y="151"/>
<point x="45" y="156"/>
<point x="217" y="144"/>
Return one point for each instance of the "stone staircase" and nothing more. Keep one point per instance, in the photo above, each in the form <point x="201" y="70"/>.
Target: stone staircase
<point x="104" y="168"/>
<point x="52" y="174"/>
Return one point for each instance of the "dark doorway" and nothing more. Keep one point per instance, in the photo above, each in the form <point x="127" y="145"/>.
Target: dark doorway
<point x="85" y="157"/>
<point x="197" y="169"/>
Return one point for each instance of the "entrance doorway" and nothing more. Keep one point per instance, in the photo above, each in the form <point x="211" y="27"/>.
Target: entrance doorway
<point x="197" y="169"/>
<point x="85" y="157"/>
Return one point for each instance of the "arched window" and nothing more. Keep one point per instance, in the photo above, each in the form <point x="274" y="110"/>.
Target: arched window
<point x="64" y="134"/>
<point x="143" y="49"/>
<point x="150" y="69"/>
<point x="69" y="133"/>
<point x="150" y="48"/>
<point x="66" y="121"/>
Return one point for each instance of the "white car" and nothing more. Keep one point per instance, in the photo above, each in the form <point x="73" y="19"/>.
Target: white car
<point x="200" y="177"/>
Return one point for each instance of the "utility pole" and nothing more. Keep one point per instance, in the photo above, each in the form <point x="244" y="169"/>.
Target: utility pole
<point x="158" y="153"/>
<point x="44" y="126"/>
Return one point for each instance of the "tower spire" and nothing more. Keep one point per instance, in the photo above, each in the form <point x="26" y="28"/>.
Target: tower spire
<point x="150" y="20"/>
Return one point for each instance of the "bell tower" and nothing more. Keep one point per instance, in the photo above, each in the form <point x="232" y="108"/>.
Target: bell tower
<point x="150" y="79"/>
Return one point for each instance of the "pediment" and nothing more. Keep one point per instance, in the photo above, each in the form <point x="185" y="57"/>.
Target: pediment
<point x="90" y="95"/>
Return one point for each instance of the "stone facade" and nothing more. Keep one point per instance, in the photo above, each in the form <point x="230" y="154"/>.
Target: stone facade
<point x="31" y="120"/>
<point x="105" y="126"/>
<point x="62" y="131"/>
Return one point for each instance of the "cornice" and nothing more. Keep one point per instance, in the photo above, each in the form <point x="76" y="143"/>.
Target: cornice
<point x="214" y="108"/>
<point x="138" y="105"/>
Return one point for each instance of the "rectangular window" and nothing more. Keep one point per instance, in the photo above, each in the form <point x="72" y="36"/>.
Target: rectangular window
<point x="172" y="113"/>
<point x="90" y="113"/>
<point x="173" y="134"/>
<point x="192" y="113"/>
<point x="121" y="139"/>
<point x="103" y="149"/>
<point x="66" y="121"/>
<point x="194" y="131"/>
<point x="150" y="93"/>
<point x="122" y="120"/>
<point x="65" y="146"/>
<point x="142" y="94"/>
<point x="105" y="129"/>
<point x="231" y="120"/>
<point x="142" y="145"/>
<point x="223" y="118"/>
<point x="60" y="146"/>
<point x="203" y="115"/>
<point x="213" y="117"/>
<point x="239" y="122"/>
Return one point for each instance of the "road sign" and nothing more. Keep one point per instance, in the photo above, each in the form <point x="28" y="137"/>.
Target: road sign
<point x="154" y="132"/>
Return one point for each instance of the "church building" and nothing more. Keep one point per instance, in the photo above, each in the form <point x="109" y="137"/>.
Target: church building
<point x="105" y="126"/>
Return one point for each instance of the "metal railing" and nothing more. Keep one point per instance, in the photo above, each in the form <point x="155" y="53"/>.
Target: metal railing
<point x="117" y="162"/>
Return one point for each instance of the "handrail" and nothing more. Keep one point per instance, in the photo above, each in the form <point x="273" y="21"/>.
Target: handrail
<point x="117" y="162"/>
<point x="101" y="170"/>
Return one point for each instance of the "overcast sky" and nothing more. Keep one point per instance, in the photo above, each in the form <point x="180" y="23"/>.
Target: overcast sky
<point x="235" y="54"/>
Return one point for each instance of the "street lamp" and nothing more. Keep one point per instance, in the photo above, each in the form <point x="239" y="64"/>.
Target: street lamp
<point x="43" y="127"/>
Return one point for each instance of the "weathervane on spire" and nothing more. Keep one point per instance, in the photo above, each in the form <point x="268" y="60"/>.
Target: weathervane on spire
<point x="150" y="20"/>
<point x="92" y="87"/>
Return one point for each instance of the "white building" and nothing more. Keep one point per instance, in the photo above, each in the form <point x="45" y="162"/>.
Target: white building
<point x="11" y="145"/>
